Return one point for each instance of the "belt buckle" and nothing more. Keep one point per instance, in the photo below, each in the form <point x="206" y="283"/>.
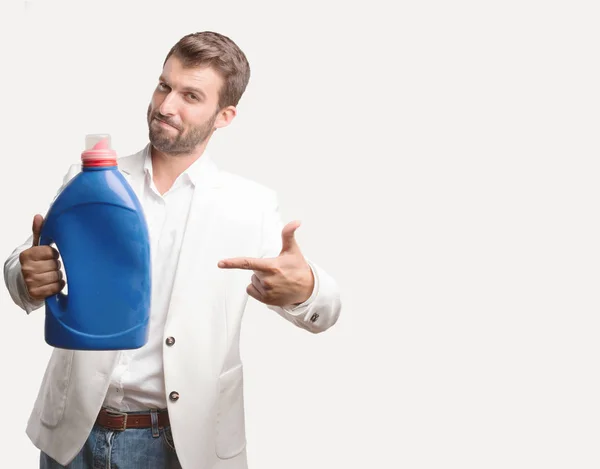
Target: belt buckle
<point x="117" y="413"/>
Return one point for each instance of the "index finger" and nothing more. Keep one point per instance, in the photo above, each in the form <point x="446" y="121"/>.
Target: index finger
<point x="247" y="263"/>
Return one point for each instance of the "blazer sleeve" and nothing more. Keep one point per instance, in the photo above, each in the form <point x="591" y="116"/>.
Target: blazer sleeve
<point x="322" y="309"/>
<point x="13" y="277"/>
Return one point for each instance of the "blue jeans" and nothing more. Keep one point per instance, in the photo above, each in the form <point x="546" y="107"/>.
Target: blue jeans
<point x="134" y="448"/>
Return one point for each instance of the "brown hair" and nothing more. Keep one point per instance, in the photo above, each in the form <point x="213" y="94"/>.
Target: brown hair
<point x="212" y="49"/>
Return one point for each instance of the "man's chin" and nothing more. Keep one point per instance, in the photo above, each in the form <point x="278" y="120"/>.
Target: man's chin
<point x="161" y="144"/>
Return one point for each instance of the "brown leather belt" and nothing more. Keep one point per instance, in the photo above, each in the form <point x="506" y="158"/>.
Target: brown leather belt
<point x="122" y="420"/>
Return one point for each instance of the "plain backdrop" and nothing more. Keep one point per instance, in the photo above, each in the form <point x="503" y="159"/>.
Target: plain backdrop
<point x="443" y="158"/>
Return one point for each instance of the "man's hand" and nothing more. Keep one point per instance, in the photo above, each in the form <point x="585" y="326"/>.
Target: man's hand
<point x="40" y="266"/>
<point x="284" y="280"/>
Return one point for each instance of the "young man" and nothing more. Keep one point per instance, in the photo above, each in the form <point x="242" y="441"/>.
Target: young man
<point x="177" y="401"/>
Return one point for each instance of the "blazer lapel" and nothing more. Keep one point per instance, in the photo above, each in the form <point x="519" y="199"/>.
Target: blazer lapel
<point x="132" y="169"/>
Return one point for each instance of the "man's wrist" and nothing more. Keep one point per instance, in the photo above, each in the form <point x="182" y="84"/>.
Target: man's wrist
<point x="309" y="291"/>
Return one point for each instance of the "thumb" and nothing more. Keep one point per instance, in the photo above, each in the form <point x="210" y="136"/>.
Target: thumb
<point x="289" y="243"/>
<point x="38" y="221"/>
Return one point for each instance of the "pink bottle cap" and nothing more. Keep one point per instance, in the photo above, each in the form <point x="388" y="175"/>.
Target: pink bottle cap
<point x="98" y="151"/>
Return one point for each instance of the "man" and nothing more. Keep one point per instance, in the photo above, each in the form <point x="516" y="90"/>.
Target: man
<point x="215" y="238"/>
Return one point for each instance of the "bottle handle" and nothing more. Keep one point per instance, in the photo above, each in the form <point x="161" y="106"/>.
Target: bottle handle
<point x="56" y="303"/>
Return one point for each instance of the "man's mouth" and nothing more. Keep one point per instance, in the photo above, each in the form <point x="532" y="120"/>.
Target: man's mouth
<point x="166" y="124"/>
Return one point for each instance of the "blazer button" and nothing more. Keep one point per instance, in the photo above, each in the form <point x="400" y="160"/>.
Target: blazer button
<point x="174" y="395"/>
<point x="170" y="341"/>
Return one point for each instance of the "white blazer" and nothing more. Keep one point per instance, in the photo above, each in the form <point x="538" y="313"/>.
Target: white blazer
<point x="230" y="216"/>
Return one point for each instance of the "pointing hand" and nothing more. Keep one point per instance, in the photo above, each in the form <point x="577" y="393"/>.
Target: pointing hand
<point x="284" y="280"/>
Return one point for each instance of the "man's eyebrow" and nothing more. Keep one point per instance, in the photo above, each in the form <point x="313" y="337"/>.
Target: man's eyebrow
<point x="195" y="90"/>
<point x="187" y="88"/>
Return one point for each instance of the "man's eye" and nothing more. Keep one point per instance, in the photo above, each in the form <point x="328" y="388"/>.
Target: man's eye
<point x="192" y="97"/>
<point x="162" y="87"/>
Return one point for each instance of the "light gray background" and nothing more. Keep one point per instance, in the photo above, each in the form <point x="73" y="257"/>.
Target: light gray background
<point x="443" y="157"/>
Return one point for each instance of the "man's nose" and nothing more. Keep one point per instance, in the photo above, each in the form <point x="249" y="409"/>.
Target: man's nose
<point x="167" y="107"/>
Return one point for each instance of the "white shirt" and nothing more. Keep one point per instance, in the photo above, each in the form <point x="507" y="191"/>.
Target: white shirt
<point x="137" y="382"/>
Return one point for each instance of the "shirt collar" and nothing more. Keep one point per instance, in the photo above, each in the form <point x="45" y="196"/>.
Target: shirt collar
<point x="191" y="175"/>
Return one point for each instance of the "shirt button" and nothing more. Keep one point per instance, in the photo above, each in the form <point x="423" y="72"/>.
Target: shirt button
<point x="170" y="341"/>
<point x="174" y="395"/>
<point x="314" y="317"/>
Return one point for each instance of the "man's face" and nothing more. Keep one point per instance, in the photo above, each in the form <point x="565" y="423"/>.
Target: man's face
<point x="184" y="107"/>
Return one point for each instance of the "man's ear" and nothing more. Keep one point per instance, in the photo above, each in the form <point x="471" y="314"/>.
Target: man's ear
<point x="225" y="116"/>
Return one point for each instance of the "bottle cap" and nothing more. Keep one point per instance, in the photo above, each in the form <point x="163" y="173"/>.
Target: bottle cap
<point x="98" y="151"/>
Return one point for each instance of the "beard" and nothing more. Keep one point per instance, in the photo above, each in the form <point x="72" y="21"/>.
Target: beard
<point x="184" y="142"/>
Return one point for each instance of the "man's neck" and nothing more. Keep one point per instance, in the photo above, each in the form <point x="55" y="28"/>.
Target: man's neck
<point x="167" y="168"/>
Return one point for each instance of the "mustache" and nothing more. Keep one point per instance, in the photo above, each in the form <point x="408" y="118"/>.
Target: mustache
<point x="165" y="119"/>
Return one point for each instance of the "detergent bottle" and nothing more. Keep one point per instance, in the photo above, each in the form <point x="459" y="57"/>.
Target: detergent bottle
<point x="98" y="226"/>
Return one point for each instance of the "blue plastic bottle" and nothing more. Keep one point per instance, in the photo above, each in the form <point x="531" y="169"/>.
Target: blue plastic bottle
<point x="98" y="226"/>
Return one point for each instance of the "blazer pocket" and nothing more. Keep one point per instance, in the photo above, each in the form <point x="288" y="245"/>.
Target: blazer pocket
<point x="230" y="428"/>
<point x="53" y="391"/>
